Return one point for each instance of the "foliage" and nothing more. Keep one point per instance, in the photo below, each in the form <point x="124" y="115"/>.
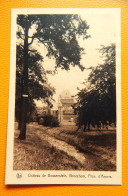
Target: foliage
<point x="38" y="87"/>
<point x="58" y="34"/>
<point x="97" y="102"/>
<point x="49" y="121"/>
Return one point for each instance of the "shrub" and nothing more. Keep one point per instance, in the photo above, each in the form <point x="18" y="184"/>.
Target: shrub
<point x="49" y="120"/>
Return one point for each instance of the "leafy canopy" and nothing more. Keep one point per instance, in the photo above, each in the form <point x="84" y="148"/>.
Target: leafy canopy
<point x="38" y="86"/>
<point x="97" y="102"/>
<point x="58" y="33"/>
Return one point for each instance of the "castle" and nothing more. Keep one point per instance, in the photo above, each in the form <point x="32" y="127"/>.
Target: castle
<point x="65" y="103"/>
<point x="64" y="110"/>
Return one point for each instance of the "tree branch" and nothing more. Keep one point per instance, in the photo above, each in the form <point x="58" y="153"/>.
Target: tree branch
<point x="20" y="35"/>
<point x="33" y="37"/>
<point x="31" y="41"/>
<point x="30" y="50"/>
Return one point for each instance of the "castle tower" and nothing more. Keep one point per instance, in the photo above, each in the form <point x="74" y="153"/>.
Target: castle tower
<point x="65" y="102"/>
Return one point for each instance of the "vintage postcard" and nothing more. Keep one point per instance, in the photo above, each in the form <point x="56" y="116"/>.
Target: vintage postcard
<point x="64" y="119"/>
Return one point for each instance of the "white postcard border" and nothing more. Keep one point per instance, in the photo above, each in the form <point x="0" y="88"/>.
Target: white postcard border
<point x="89" y="177"/>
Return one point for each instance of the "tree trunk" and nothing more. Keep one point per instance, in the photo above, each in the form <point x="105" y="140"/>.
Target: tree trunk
<point x="24" y="104"/>
<point x="84" y="128"/>
<point x="20" y="106"/>
<point x="88" y="126"/>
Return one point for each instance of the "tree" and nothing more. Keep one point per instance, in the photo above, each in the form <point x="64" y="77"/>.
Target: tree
<point x="58" y="33"/>
<point x="97" y="102"/>
<point x="38" y="87"/>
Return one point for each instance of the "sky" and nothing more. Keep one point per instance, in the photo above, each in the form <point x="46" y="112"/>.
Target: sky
<point x="103" y="32"/>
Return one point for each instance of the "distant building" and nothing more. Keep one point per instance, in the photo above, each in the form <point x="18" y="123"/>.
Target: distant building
<point x="64" y="111"/>
<point x="65" y="103"/>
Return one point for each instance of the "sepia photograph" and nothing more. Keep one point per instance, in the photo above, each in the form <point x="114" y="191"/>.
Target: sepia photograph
<point x="65" y="99"/>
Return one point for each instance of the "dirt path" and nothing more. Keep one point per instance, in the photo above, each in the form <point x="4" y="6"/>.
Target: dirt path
<point x="63" y="146"/>
<point x="93" y="151"/>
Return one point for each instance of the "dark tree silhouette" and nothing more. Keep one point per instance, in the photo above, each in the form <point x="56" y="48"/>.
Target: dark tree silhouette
<point x="58" y="33"/>
<point x="97" y="102"/>
<point x="38" y="87"/>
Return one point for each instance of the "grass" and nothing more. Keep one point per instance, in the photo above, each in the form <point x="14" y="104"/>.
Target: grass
<point x="100" y="146"/>
<point x="99" y="149"/>
<point x="35" y="154"/>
